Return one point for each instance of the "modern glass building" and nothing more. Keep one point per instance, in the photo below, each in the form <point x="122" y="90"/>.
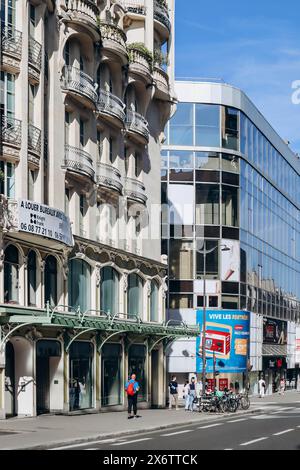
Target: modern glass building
<point x="231" y="198"/>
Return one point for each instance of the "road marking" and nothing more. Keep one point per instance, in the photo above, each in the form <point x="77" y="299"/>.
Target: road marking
<point x="132" y="442"/>
<point x="71" y="446"/>
<point x="286" y="408"/>
<point x="237" y="420"/>
<point x="92" y="448"/>
<point x="254" y="440"/>
<point x="210" y="426"/>
<point x="174" y="433"/>
<point x="282" y="432"/>
<point x="228" y="449"/>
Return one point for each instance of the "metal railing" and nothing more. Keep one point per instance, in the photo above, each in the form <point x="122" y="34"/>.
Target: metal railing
<point x="135" y="122"/>
<point x="134" y="189"/>
<point x="80" y="82"/>
<point x="78" y="160"/>
<point x="34" y="53"/>
<point x="11" y="41"/>
<point x="161" y="78"/>
<point x="111" y="32"/>
<point x="86" y="7"/>
<point x="161" y="14"/>
<point x="109" y="176"/>
<point x="134" y="6"/>
<point x="110" y="104"/>
<point x="138" y="57"/>
<point x="34" y="139"/>
<point x="11" y="130"/>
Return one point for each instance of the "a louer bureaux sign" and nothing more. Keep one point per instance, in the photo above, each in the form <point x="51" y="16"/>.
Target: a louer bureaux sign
<point x="39" y="219"/>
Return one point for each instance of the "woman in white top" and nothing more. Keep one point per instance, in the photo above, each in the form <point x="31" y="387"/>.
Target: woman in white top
<point x="186" y="394"/>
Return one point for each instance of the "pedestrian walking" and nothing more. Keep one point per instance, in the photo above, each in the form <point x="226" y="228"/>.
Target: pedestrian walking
<point x="192" y="394"/>
<point x="261" y="387"/>
<point x="132" y="388"/>
<point x="186" y="394"/>
<point x="281" y="386"/>
<point x="173" y="395"/>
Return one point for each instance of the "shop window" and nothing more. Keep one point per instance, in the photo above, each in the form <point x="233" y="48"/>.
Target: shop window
<point x="154" y="301"/>
<point x="136" y="365"/>
<point x="32" y="282"/>
<point x="109" y="290"/>
<point x="79" y="284"/>
<point x="81" y="375"/>
<point x="51" y="281"/>
<point x="111" y="367"/>
<point x="11" y="275"/>
<point x="135" y="295"/>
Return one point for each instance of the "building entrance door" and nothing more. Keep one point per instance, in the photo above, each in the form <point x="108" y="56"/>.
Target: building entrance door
<point x="10" y="409"/>
<point x="154" y="378"/>
<point x="42" y="385"/>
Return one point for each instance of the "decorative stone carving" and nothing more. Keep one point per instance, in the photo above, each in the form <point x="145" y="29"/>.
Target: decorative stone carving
<point x="125" y="282"/>
<point x="98" y="274"/>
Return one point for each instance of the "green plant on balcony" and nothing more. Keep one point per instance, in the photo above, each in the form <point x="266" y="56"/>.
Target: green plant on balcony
<point x="139" y="46"/>
<point x="160" y="58"/>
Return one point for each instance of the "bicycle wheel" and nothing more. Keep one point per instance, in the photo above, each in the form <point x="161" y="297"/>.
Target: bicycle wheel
<point x="245" y="402"/>
<point x="232" y="405"/>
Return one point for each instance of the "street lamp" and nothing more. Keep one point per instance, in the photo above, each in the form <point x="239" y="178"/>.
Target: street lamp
<point x="205" y="252"/>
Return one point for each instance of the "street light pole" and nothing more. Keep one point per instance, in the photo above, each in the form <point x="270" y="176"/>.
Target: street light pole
<point x="204" y="322"/>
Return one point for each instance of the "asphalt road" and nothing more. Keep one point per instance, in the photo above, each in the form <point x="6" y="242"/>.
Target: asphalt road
<point x="277" y="427"/>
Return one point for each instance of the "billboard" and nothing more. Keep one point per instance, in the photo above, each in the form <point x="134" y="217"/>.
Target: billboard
<point x="227" y="340"/>
<point x="274" y="331"/>
<point x="230" y="261"/>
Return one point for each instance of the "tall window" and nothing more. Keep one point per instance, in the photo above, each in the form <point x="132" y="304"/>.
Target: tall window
<point x="31" y="180"/>
<point x="67" y="127"/>
<point x="207" y="125"/>
<point x="154" y="301"/>
<point x="207" y="204"/>
<point x="82" y="212"/>
<point x="32" y="284"/>
<point x="181" y="125"/>
<point x="51" y="280"/>
<point x="135" y="295"/>
<point x="67" y="53"/>
<point x="7" y="89"/>
<point x="229" y="206"/>
<point x="109" y="290"/>
<point x="81" y="133"/>
<point x="230" y="128"/>
<point x="79" y="284"/>
<point x="11" y="274"/>
<point x="7" y="179"/>
<point x="8" y="12"/>
<point x="111" y="150"/>
<point x="31" y="96"/>
<point x="211" y="268"/>
<point x="32" y="20"/>
<point x="181" y="259"/>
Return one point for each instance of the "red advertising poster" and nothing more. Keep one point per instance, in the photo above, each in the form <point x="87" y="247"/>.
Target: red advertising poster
<point x="211" y="383"/>
<point x="223" y="383"/>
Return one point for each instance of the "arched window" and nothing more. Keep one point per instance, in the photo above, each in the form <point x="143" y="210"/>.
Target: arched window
<point x="109" y="290"/>
<point x="154" y="301"/>
<point x="79" y="284"/>
<point x="31" y="285"/>
<point x="135" y="295"/>
<point x="11" y="274"/>
<point x="51" y="280"/>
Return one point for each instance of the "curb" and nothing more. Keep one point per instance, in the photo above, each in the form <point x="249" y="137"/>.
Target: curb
<point x="49" y="446"/>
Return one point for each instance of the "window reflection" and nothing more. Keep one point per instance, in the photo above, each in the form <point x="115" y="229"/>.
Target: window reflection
<point x="207" y="125"/>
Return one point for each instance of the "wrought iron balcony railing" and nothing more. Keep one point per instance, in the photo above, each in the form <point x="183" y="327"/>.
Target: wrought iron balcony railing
<point x="87" y="8"/>
<point x="161" y="14"/>
<point x="135" y="122"/>
<point x="109" y="177"/>
<point x="79" y="82"/>
<point x="34" y="139"/>
<point x="34" y="53"/>
<point x="110" y="104"/>
<point x="11" y="130"/>
<point x="78" y="160"/>
<point x="135" y="190"/>
<point x="11" y="41"/>
<point x="111" y="32"/>
<point x="137" y="7"/>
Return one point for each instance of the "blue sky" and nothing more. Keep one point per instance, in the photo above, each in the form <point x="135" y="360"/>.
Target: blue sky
<point x="254" y="45"/>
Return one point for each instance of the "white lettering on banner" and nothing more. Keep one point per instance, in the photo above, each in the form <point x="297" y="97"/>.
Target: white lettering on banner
<point x="39" y="219"/>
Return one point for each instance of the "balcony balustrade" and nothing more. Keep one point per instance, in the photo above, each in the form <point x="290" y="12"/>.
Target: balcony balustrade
<point x="161" y="14"/>
<point x="161" y="79"/>
<point x="135" y="190"/>
<point x="34" y="53"/>
<point x="136" y="7"/>
<point x="80" y="84"/>
<point x="111" y="106"/>
<point x="137" y="126"/>
<point x="114" y="40"/>
<point x="109" y="177"/>
<point x="78" y="161"/>
<point x="11" y="131"/>
<point x="11" y="48"/>
<point x="83" y="12"/>
<point x="140" y="62"/>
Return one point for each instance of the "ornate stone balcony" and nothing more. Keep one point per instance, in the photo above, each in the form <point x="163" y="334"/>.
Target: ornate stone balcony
<point x="161" y="15"/>
<point x="114" y="41"/>
<point x="34" y="59"/>
<point x="108" y="177"/>
<point x="134" y="7"/>
<point x="140" y="63"/>
<point x="110" y="107"/>
<point x="34" y="145"/>
<point x="84" y="13"/>
<point x="10" y="140"/>
<point x="137" y="127"/>
<point x="79" y="162"/>
<point x="11" y="49"/>
<point x="161" y="79"/>
<point x="80" y="85"/>
<point x="135" y="190"/>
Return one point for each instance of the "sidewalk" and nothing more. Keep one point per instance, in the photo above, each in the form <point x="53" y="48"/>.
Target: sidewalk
<point x="47" y="431"/>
